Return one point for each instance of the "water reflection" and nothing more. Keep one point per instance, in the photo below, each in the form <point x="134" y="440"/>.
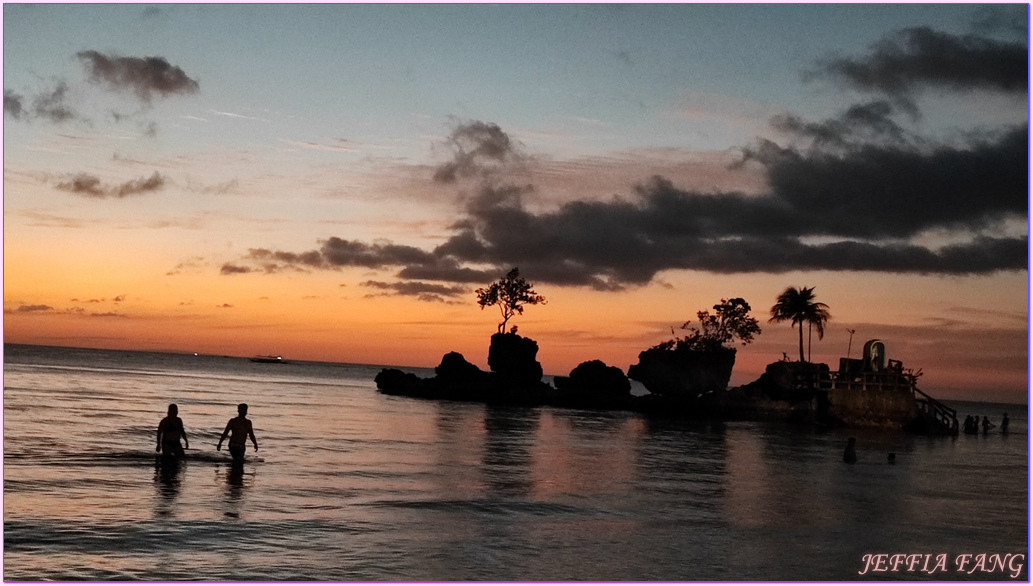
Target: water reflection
<point x="459" y="453"/>
<point x="237" y="481"/>
<point x="584" y="452"/>
<point x="509" y="434"/>
<point x="167" y="473"/>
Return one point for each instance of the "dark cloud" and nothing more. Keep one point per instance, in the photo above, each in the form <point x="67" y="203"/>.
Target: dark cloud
<point x="894" y="191"/>
<point x="335" y="253"/>
<point x="143" y="76"/>
<point x="90" y="186"/>
<point x="138" y="186"/>
<point x="13" y="104"/>
<point x="429" y="292"/>
<point x="478" y="149"/>
<point x="861" y="124"/>
<point x="447" y="268"/>
<point x="860" y="196"/>
<point x="34" y="308"/>
<point x="84" y="184"/>
<point x="232" y="269"/>
<point x="338" y="253"/>
<point x="921" y="57"/>
<point x="868" y="216"/>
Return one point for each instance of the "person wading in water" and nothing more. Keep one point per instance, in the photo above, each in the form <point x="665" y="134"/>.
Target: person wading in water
<point x="239" y="429"/>
<point x="169" y="431"/>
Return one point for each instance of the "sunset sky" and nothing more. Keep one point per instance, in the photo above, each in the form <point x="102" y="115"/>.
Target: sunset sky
<point x="332" y="182"/>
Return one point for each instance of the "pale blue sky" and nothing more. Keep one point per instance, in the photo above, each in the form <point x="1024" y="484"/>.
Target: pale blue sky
<point x="392" y="72"/>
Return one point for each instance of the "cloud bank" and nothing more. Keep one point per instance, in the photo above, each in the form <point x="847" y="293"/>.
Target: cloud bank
<point x="857" y="192"/>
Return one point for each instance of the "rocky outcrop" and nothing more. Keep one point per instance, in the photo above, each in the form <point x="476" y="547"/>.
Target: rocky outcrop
<point x="595" y="378"/>
<point x="683" y="374"/>
<point x="513" y="357"/>
<point x="457" y="370"/>
<point x="516" y="376"/>
<point x="683" y="383"/>
<point x="593" y="383"/>
<point x="392" y="381"/>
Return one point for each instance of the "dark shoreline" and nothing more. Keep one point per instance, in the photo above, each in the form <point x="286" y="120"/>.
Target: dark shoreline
<point x="14" y="350"/>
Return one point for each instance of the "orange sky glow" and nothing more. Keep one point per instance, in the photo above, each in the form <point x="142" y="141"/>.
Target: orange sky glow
<point x="299" y="201"/>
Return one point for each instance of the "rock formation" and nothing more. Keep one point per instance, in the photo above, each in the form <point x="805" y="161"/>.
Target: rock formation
<point x="595" y="384"/>
<point x="513" y="357"/>
<point x="516" y="376"/>
<point x="681" y="373"/>
<point x="595" y="377"/>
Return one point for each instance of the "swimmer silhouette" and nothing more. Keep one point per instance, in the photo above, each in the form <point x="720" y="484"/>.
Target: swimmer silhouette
<point x="239" y="429"/>
<point x="169" y="431"/>
<point x="850" y="453"/>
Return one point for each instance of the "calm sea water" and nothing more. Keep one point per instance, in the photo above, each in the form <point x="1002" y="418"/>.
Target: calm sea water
<point x="349" y="484"/>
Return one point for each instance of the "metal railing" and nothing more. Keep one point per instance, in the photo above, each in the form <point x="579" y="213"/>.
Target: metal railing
<point x="862" y="381"/>
<point x="936" y="411"/>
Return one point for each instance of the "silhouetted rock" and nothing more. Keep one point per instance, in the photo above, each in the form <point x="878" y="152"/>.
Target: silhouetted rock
<point x="512" y="357"/>
<point x="392" y="381"/>
<point x="595" y="378"/>
<point x="455" y="368"/>
<point x="518" y="382"/>
<point x="682" y="373"/>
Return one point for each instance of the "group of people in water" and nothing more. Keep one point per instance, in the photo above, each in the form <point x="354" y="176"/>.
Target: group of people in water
<point x="171" y="431"/>
<point x="971" y="425"/>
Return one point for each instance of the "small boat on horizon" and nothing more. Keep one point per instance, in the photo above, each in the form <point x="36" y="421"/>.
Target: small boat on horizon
<point x="268" y="359"/>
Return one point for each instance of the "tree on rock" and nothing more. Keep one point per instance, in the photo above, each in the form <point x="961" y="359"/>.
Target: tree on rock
<point x="702" y="361"/>
<point x="731" y="322"/>
<point x="798" y="306"/>
<point x="510" y="293"/>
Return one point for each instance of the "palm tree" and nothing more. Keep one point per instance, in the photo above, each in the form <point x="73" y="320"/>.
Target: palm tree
<point x="798" y="306"/>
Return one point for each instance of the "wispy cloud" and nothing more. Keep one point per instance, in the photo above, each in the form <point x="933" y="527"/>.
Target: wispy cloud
<point x="317" y="146"/>
<point x="709" y="106"/>
<point x="50" y="105"/>
<point x="34" y="308"/>
<point x="88" y="185"/>
<point x="429" y="292"/>
<point x="231" y="115"/>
